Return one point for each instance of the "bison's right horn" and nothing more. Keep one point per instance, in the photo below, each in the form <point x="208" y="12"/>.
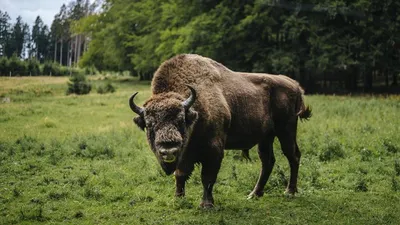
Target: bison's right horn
<point x="138" y="110"/>
<point x="192" y="98"/>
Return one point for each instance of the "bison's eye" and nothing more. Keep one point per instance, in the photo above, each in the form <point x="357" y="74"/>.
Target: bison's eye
<point x="149" y="124"/>
<point x="181" y="127"/>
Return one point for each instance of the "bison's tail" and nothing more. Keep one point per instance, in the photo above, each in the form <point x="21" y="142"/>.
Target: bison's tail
<point x="304" y="112"/>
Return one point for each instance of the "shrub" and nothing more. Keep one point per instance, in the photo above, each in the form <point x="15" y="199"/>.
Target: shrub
<point x="91" y="70"/>
<point x="64" y="71"/>
<point x="78" y="85"/>
<point x="3" y="66"/>
<point x="33" y="67"/>
<point x="50" y="68"/>
<point x="108" y="88"/>
<point x="16" y="66"/>
<point x="76" y="71"/>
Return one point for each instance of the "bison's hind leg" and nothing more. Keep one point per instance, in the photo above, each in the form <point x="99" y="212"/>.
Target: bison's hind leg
<point x="266" y="154"/>
<point x="287" y="139"/>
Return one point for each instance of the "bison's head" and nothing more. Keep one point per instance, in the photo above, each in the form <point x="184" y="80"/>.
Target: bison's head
<point x="168" y="120"/>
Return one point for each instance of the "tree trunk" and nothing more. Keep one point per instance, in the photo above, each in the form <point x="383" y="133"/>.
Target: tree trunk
<point x="394" y="83"/>
<point x="368" y="80"/>
<point x="84" y="44"/>
<point x="356" y="72"/>
<point x="55" y="51"/>
<point x="79" y="48"/>
<point x="76" y="50"/>
<point x="386" y="71"/>
<point x="61" y="51"/>
<point x="70" y="55"/>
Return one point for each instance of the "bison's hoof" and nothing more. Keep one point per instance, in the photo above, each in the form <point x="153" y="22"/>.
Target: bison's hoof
<point x="206" y="204"/>
<point x="290" y="193"/>
<point x="180" y="194"/>
<point x="255" y="194"/>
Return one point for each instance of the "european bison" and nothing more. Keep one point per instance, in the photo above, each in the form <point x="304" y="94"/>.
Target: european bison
<point x="199" y="107"/>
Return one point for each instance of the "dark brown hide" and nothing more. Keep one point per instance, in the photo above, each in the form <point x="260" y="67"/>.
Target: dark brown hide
<point x="233" y="110"/>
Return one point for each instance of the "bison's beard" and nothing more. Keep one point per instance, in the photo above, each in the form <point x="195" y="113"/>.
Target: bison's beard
<point x="168" y="168"/>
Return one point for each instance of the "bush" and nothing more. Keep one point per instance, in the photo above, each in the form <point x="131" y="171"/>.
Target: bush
<point x="16" y="66"/>
<point x="3" y="66"/>
<point x="33" y="67"/>
<point x="108" y="88"/>
<point x="91" y="70"/>
<point x="64" y="71"/>
<point x="78" y="85"/>
<point x="50" y="68"/>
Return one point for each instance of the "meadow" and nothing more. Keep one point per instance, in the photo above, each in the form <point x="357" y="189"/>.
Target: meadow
<point x="68" y="159"/>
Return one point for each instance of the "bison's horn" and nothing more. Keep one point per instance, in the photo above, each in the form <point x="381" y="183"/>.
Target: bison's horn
<point x="192" y="98"/>
<point x="138" y="110"/>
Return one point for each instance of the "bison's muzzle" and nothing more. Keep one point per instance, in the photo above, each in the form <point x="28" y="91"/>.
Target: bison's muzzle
<point x="168" y="155"/>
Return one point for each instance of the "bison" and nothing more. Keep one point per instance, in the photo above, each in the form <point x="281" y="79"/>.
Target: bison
<point x="199" y="107"/>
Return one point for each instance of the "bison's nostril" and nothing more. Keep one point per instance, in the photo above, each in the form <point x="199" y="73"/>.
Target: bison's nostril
<point x="168" y="155"/>
<point x="168" y="151"/>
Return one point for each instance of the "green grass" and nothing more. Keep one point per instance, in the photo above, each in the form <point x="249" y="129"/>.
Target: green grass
<point x="80" y="160"/>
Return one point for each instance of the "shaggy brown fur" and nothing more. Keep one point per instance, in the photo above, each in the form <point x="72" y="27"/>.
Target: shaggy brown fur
<point x="233" y="110"/>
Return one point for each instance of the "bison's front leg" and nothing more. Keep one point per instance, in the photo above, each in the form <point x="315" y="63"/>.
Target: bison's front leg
<point x="210" y="169"/>
<point x="180" y="181"/>
<point x="182" y="174"/>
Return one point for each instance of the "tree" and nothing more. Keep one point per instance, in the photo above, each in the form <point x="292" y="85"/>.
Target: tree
<point x="4" y="32"/>
<point x="41" y="40"/>
<point x="17" y="37"/>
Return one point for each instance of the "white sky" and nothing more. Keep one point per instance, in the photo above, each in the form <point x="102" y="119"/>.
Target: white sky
<point x="30" y="9"/>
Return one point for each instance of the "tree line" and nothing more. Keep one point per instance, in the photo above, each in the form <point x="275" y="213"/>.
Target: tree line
<point x="328" y="45"/>
<point x="350" y="45"/>
<point x="22" y="46"/>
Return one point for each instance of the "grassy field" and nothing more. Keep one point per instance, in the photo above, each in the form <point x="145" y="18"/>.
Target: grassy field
<point x="80" y="160"/>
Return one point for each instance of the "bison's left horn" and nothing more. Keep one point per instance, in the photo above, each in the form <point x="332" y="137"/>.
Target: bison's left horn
<point x="138" y="110"/>
<point x="192" y="98"/>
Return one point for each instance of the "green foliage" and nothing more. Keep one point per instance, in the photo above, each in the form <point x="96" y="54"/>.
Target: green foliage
<point x="331" y="150"/>
<point x="397" y="167"/>
<point x="94" y="147"/>
<point x="55" y="69"/>
<point x="79" y="85"/>
<point x="16" y="66"/>
<point x="3" y="66"/>
<point x="390" y="146"/>
<point x="33" y="67"/>
<point x="343" y="46"/>
<point x="107" y="88"/>
<point x="361" y="185"/>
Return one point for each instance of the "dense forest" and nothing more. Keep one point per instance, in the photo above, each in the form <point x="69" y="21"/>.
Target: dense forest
<point x="26" y="50"/>
<point x="334" y="46"/>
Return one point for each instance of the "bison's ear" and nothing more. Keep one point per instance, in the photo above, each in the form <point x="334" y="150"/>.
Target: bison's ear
<point x="139" y="121"/>
<point x="191" y="117"/>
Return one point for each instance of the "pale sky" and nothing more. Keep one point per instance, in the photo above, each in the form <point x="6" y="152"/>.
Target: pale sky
<point x="30" y="9"/>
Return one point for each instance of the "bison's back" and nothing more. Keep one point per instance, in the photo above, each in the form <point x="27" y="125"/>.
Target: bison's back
<point x="195" y="70"/>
